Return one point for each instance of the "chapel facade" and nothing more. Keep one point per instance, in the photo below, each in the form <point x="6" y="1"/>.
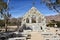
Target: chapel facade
<point x="34" y="19"/>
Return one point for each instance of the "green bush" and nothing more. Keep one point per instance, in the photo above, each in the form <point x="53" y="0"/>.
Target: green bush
<point x="2" y="24"/>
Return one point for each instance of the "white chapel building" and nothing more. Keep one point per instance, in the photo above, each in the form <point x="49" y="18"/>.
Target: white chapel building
<point x="34" y="19"/>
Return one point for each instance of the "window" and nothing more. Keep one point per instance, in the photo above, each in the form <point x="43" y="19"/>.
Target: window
<point x="41" y="27"/>
<point x="33" y="19"/>
<point x="27" y="20"/>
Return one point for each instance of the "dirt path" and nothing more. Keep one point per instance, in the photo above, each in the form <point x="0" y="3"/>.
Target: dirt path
<point x="36" y="36"/>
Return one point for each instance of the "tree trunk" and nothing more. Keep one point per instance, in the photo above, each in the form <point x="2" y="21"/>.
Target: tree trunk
<point x="5" y="26"/>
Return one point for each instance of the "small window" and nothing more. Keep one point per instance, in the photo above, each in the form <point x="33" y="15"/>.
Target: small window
<point x="41" y="28"/>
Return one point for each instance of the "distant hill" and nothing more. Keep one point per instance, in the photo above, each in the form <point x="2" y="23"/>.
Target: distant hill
<point x="52" y="17"/>
<point x="48" y="18"/>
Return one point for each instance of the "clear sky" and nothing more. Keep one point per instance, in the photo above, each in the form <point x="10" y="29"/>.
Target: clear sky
<point x="18" y="8"/>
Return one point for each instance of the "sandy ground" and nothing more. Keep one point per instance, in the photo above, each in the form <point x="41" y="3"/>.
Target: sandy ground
<point x="36" y="36"/>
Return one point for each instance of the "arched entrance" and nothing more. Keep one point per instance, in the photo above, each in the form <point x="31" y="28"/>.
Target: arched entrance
<point x="35" y="28"/>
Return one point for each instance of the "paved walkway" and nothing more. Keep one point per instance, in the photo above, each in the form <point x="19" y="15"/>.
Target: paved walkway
<point x="36" y="36"/>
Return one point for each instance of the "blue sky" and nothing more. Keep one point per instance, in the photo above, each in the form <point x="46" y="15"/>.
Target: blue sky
<point x="18" y="8"/>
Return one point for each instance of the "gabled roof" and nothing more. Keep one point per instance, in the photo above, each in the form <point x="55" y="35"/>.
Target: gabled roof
<point x="33" y="10"/>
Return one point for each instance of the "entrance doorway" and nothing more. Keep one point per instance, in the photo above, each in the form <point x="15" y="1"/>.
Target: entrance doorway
<point x="35" y="28"/>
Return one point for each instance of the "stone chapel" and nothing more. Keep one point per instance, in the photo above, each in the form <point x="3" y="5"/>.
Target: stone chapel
<point x="34" y="19"/>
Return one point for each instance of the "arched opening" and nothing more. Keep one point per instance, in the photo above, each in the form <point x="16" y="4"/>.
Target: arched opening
<point x="33" y="19"/>
<point x="41" y="27"/>
<point x="27" y="20"/>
